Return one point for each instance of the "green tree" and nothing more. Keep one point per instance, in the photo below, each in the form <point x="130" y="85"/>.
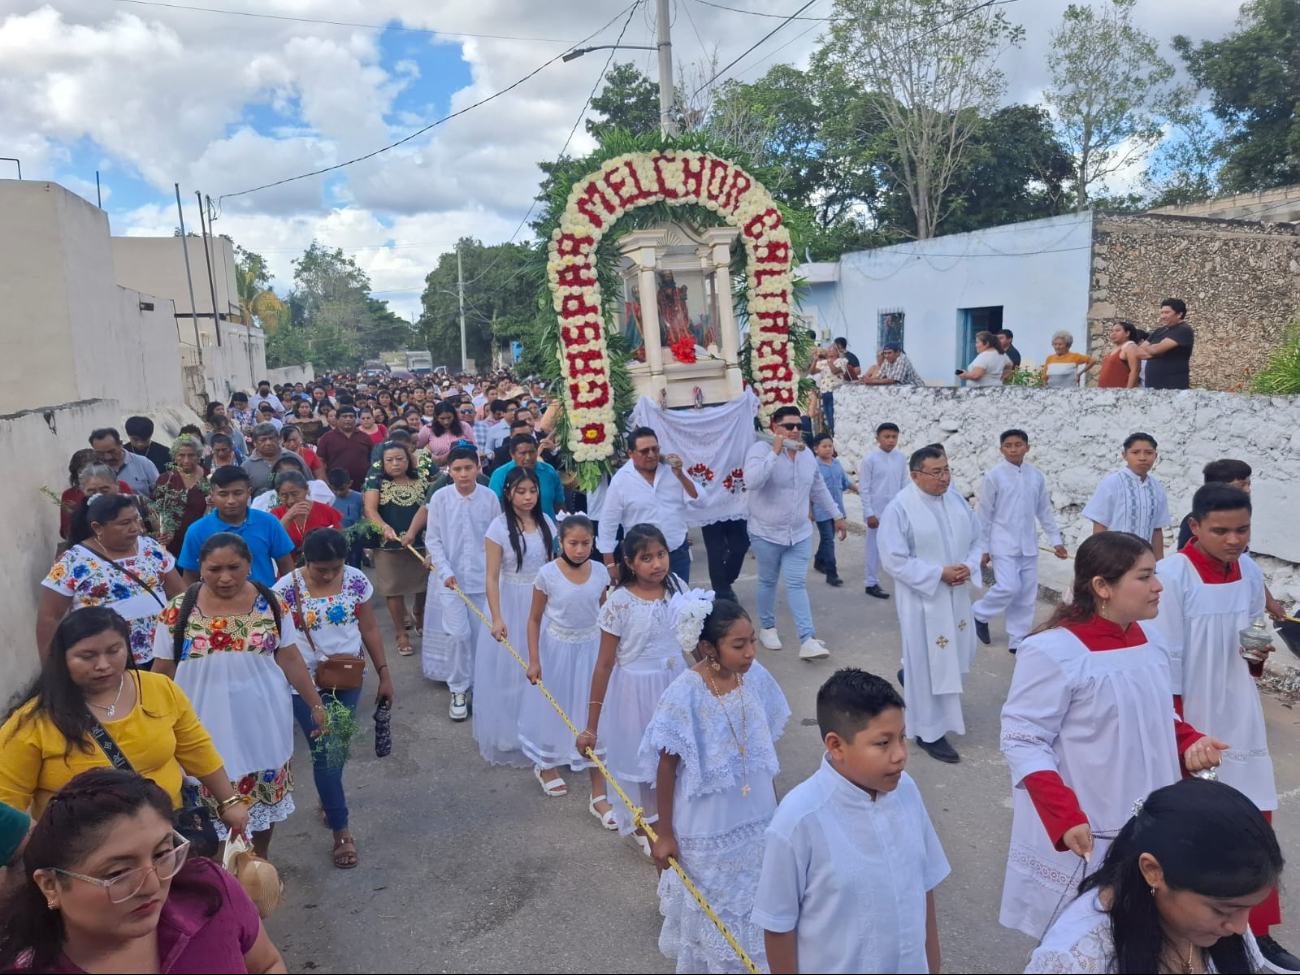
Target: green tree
<point x="257" y="302"/>
<point x="1111" y="91"/>
<point x="1253" y="77"/>
<point x="628" y="100"/>
<point x="929" y="67"/>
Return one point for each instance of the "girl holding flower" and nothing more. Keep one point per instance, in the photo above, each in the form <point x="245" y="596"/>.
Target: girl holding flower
<point x="230" y="644"/>
<point x="331" y="604"/>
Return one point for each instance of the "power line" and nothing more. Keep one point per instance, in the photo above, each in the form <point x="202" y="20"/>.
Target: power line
<point x="718" y="74"/>
<point x="333" y="23"/>
<point x="435" y="124"/>
<point x="756" y="13"/>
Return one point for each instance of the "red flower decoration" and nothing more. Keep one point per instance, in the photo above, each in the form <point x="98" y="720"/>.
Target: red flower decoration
<point x="593" y="433"/>
<point x="220" y="640"/>
<point x="683" y="349"/>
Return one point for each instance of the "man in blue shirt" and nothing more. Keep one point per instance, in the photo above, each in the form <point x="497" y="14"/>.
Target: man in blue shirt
<point x="523" y="453"/>
<point x="266" y="538"/>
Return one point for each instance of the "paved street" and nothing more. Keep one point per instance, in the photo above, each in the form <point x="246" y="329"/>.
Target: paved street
<point x="469" y="868"/>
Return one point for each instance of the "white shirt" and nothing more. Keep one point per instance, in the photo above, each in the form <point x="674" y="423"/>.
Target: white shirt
<point x="316" y="490"/>
<point x="257" y="399"/>
<point x="992" y="363"/>
<point x="498" y="434"/>
<point x="1123" y="502"/>
<point x="1010" y="501"/>
<point x="331" y="620"/>
<point x="455" y="533"/>
<point x="850" y="875"/>
<point x="632" y="500"/>
<point x="781" y="491"/>
<point x="881" y="475"/>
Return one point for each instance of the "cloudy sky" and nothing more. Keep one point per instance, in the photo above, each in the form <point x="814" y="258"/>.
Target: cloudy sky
<point x="193" y="92"/>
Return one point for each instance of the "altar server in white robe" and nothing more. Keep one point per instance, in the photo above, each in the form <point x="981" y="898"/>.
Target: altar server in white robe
<point x="1013" y="497"/>
<point x="1213" y="590"/>
<point x="881" y="475"/>
<point x="1088" y="728"/>
<point x="930" y="543"/>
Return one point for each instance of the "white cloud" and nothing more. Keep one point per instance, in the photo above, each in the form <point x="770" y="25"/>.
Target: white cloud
<point x="166" y="94"/>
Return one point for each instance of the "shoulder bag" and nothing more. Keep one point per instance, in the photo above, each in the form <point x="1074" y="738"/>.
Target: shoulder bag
<point x="336" y="672"/>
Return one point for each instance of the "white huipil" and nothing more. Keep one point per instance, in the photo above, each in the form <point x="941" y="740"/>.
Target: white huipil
<point x="1105" y="721"/>
<point x="1200" y="622"/>
<point x="919" y="536"/>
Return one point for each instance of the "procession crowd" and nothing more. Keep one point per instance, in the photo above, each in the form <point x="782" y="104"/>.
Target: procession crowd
<point x="212" y="593"/>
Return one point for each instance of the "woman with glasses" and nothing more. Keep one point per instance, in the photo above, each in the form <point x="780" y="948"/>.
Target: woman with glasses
<point x="89" y="686"/>
<point x="110" y="887"/>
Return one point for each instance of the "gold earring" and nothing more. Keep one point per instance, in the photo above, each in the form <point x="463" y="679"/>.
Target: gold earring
<point x="713" y="662"/>
<point x="1102" y="613"/>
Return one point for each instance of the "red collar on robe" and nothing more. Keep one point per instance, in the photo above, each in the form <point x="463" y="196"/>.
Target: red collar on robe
<point x="1211" y="571"/>
<point x="1099" y="633"/>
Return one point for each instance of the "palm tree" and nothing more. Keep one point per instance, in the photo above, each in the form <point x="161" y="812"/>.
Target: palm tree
<point x="256" y="299"/>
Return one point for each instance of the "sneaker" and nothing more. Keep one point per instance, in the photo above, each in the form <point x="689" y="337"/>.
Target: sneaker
<point x="877" y="592"/>
<point x="769" y="638"/>
<point x="1276" y="958"/>
<point x="459" y="709"/>
<point x="982" y="632"/>
<point x="941" y="750"/>
<point x="834" y="580"/>
<point x="813" y="649"/>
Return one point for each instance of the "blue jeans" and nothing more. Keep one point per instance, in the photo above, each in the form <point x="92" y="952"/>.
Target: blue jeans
<point x="329" y="781"/>
<point x="828" y="411"/>
<point x="790" y="564"/>
<point x="679" y="561"/>
<point x="826" y="547"/>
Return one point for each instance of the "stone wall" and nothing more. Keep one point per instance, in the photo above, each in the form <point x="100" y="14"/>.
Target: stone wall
<point x="1241" y="282"/>
<point x="1076" y="438"/>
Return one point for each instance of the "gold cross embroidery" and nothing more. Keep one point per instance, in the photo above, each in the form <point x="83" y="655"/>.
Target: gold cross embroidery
<point x="744" y="791"/>
<point x="961" y="624"/>
<point x="941" y="642"/>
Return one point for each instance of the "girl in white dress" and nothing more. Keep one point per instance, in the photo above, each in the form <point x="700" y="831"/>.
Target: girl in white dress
<point x="518" y="544"/>
<point x="563" y="642"/>
<point x="639" y="658"/>
<point x="1089" y="727"/>
<point x="711" y="747"/>
<point x="1175" y="891"/>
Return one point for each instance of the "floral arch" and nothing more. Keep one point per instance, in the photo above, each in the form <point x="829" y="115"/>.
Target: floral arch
<point x="595" y="204"/>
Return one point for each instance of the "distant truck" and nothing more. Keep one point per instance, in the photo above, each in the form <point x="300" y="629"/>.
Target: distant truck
<point x="419" y="363"/>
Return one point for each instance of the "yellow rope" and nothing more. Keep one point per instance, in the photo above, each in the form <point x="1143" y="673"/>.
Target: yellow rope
<point x="637" y="813"/>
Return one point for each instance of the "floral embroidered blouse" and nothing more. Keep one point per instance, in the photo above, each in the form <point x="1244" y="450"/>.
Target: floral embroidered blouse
<point x="90" y="580"/>
<point x="331" y="620"/>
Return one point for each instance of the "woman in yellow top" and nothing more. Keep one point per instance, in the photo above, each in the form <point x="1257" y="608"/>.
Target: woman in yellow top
<point x="90" y="678"/>
<point x="1063" y="368"/>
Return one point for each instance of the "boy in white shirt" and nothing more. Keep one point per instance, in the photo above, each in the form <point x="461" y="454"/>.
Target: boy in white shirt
<point x="457" y="519"/>
<point x="881" y="475"/>
<point x="1013" y="497"/>
<point x="852" y="858"/>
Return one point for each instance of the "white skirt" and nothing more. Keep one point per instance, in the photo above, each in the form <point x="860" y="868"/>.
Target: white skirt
<point x="568" y="658"/>
<point x="499" y="681"/>
<point x="261" y="817"/>
<point x="630" y="702"/>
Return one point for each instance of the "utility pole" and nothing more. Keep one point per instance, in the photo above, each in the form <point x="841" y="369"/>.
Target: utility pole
<point x="460" y="296"/>
<point x="185" y="249"/>
<point x="667" y="121"/>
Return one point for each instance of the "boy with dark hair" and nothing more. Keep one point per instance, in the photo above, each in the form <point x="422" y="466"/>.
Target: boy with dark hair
<point x="349" y="504"/>
<point x="853" y="841"/>
<point x="139" y="435"/>
<point x="1212" y="591"/>
<point x="268" y="542"/>
<point x="881" y="475"/>
<point x="1222" y="471"/>
<point x="1013" y="497"/>
<point x="837" y="482"/>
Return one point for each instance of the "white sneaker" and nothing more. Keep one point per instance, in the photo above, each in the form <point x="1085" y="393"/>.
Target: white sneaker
<point x="459" y="709"/>
<point x="813" y="649"/>
<point x="770" y="639"/>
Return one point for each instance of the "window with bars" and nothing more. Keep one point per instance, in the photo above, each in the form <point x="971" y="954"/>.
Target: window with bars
<point x="889" y="326"/>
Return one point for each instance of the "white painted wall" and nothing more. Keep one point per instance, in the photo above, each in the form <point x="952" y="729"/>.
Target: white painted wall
<point x="156" y="265"/>
<point x="291" y="374"/>
<point x="1076" y="438"/>
<point x="1037" y="271"/>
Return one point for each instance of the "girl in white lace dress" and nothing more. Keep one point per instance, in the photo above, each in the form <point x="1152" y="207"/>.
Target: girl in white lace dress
<point x="1175" y="891"/>
<point x="711" y="745"/>
<point x="563" y="641"/>
<point x="639" y="658"/>
<point x="519" y="543"/>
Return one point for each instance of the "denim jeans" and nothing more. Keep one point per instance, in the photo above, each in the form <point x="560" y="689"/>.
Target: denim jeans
<point x="828" y="411"/>
<point x="826" y="547"/>
<point x="790" y="564"/>
<point x="329" y="781"/>
<point x="679" y="560"/>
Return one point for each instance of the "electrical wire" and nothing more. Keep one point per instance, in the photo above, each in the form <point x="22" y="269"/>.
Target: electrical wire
<point x="334" y="23"/>
<point x="718" y="74"/>
<point x="446" y="118"/>
<point x="755" y="13"/>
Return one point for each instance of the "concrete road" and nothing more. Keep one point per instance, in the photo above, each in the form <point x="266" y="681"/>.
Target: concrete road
<point x="469" y="868"/>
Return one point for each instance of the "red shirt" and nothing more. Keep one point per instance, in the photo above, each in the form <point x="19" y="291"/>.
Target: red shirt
<point x="1057" y="805"/>
<point x="352" y="453"/>
<point x="1212" y="571"/>
<point x="320" y="516"/>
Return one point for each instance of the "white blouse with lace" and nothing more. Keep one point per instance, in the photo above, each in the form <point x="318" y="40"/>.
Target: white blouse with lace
<point x="644" y="626"/>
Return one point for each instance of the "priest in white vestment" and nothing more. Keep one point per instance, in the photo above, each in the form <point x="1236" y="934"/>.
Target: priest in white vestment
<point x="930" y="542"/>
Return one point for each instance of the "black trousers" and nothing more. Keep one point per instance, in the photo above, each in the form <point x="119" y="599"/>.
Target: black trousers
<point x="726" y="543"/>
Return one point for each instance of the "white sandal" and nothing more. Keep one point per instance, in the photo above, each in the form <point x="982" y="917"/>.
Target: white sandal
<point x="556" y="788"/>
<point x="606" y="818"/>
